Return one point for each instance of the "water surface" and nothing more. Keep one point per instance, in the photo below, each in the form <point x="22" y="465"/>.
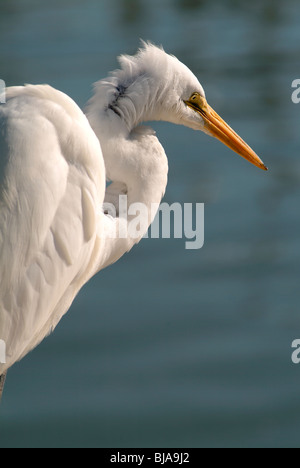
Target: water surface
<point x="171" y="347"/>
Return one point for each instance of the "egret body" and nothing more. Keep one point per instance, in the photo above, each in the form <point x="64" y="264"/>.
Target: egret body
<point x="54" y="165"/>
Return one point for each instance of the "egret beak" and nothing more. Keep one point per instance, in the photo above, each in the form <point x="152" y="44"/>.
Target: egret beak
<point x="215" y="126"/>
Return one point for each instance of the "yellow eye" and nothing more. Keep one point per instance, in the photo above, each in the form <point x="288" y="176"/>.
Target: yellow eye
<point x="197" y="102"/>
<point x="194" y="96"/>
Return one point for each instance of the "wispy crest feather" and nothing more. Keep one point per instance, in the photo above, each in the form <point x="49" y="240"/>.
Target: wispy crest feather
<point x="142" y="89"/>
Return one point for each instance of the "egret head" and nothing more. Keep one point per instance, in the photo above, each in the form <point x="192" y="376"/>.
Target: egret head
<point x="153" y="85"/>
<point x="183" y="101"/>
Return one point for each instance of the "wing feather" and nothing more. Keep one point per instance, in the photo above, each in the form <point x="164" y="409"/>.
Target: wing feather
<point x="52" y="179"/>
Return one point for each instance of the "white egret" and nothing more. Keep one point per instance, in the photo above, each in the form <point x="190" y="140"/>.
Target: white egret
<point x="54" y="164"/>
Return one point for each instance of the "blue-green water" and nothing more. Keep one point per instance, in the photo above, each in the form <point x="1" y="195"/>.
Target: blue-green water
<point x="171" y="347"/>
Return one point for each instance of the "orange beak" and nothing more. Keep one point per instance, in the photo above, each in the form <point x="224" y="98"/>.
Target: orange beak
<point x="215" y="126"/>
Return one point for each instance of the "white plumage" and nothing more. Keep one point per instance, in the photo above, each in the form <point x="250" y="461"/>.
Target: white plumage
<point x="52" y="187"/>
<point x="54" y="234"/>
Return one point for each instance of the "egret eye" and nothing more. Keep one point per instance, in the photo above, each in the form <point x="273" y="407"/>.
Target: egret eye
<point x="197" y="102"/>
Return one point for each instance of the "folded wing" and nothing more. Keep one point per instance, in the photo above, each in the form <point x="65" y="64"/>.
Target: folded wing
<point x="52" y="184"/>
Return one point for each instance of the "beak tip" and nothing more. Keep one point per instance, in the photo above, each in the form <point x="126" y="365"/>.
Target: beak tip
<point x="263" y="166"/>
